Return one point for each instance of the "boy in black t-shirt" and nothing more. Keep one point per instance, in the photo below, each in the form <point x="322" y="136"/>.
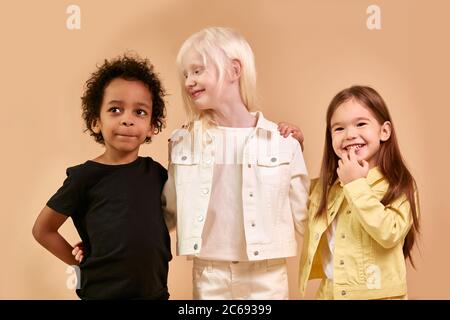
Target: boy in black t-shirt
<point x="115" y="199"/>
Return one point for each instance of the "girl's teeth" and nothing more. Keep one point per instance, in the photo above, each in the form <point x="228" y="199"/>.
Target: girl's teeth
<point x="359" y="146"/>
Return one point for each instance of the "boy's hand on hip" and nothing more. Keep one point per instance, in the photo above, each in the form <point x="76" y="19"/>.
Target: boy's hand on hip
<point x="78" y="252"/>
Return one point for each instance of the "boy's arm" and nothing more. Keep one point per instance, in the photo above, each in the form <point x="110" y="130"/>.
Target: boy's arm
<point x="45" y="231"/>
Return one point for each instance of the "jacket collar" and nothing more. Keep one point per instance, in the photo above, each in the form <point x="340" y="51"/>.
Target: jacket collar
<point x="261" y="123"/>
<point x="336" y="198"/>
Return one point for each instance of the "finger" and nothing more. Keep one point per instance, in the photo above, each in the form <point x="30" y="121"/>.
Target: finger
<point x="75" y="251"/>
<point x="344" y="156"/>
<point x="298" y="135"/>
<point x="352" y="155"/>
<point x="79" y="256"/>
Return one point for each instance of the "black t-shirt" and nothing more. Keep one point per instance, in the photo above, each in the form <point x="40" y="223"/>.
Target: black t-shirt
<point x="117" y="212"/>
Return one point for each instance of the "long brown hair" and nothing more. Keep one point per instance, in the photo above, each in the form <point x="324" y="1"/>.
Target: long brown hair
<point x="390" y="161"/>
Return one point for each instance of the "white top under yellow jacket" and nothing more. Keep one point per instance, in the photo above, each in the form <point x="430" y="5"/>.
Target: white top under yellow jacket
<point x="274" y="189"/>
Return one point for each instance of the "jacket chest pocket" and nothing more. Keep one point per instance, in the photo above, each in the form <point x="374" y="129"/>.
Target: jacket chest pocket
<point x="273" y="169"/>
<point x="185" y="168"/>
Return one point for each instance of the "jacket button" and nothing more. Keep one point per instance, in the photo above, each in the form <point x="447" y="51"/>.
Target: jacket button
<point x="200" y="218"/>
<point x="349" y="211"/>
<point x="273" y="159"/>
<point x="205" y="191"/>
<point x="195" y="246"/>
<point x="343" y="236"/>
<point x="251" y="194"/>
<point x="253" y="224"/>
<point x="341" y="262"/>
<point x="249" y="165"/>
<point x="256" y="253"/>
<point x="343" y="292"/>
<point x="183" y="158"/>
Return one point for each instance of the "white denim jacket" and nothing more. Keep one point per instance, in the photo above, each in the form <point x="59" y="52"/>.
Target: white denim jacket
<point x="275" y="188"/>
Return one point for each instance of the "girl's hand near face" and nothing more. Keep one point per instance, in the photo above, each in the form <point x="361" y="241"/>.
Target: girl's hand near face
<point x="350" y="168"/>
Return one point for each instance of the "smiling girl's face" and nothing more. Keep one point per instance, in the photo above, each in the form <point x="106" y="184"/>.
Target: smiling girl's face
<point x="354" y="126"/>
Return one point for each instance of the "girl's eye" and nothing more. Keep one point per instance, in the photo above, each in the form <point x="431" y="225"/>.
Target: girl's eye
<point x="361" y="124"/>
<point x="338" y="129"/>
<point x="198" y="71"/>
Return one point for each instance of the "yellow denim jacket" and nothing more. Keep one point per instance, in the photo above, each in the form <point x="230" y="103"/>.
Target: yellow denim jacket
<point x="368" y="261"/>
<point x="275" y="188"/>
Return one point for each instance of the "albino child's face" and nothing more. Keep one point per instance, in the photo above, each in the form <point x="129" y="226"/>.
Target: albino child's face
<point x="353" y="126"/>
<point x="125" y="115"/>
<point x="201" y="81"/>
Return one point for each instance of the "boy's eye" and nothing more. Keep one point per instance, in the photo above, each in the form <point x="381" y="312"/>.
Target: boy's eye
<point x="361" y="124"/>
<point x="338" y="129"/>
<point x="114" y="110"/>
<point x="141" y="112"/>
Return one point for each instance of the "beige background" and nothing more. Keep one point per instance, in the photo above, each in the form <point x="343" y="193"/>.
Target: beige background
<point x="306" y="52"/>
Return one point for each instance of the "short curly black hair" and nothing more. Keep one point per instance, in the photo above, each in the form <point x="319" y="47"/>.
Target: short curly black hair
<point x="127" y="67"/>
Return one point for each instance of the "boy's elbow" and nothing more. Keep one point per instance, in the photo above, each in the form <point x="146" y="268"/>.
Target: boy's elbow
<point x="36" y="232"/>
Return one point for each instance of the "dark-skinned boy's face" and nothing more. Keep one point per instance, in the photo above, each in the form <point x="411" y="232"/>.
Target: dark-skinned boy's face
<point x="125" y="115"/>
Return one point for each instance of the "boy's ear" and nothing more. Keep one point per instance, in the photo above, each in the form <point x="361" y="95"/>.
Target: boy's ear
<point x="386" y="130"/>
<point x="151" y="131"/>
<point x="95" y="126"/>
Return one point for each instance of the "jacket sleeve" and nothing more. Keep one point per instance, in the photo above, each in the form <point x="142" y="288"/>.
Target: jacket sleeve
<point x="388" y="225"/>
<point x="298" y="190"/>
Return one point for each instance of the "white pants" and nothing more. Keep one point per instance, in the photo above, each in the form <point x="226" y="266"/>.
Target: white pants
<point x="252" y="280"/>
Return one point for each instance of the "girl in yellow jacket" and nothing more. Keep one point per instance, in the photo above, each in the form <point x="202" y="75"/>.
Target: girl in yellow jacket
<point x="363" y="209"/>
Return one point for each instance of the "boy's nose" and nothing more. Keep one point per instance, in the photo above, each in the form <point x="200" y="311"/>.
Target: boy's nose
<point x="126" y="122"/>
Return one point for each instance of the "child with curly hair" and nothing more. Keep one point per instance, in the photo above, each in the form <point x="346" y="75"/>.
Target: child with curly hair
<point x="114" y="200"/>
